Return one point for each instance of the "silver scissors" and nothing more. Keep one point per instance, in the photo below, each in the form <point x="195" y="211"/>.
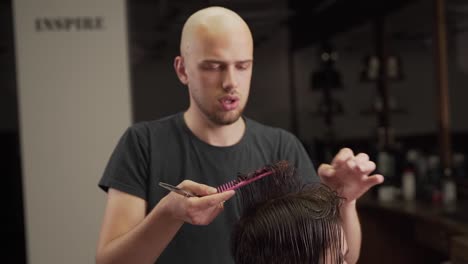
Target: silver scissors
<point x="177" y="190"/>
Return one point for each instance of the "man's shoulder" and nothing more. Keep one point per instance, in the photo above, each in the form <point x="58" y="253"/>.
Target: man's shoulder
<point x="152" y="126"/>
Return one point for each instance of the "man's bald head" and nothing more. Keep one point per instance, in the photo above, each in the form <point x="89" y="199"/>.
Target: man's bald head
<point x="212" y="22"/>
<point x="216" y="65"/>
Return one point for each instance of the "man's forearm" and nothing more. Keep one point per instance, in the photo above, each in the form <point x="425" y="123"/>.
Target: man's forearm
<point x="352" y="230"/>
<point x="144" y="243"/>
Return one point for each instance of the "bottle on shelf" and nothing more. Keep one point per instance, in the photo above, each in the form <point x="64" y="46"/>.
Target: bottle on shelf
<point x="408" y="184"/>
<point x="449" y="188"/>
<point x="389" y="163"/>
<point x="459" y="166"/>
<point x="431" y="184"/>
<point x="386" y="166"/>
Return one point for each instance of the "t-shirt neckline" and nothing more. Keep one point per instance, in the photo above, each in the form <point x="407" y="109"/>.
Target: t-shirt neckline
<point x="239" y="144"/>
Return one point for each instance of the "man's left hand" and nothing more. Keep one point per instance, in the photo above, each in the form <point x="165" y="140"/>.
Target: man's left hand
<point x="349" y="174"/>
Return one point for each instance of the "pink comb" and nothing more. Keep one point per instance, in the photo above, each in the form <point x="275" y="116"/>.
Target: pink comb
<point x="243" y="180"/>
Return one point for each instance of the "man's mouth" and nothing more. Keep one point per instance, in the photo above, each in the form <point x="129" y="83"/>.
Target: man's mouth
<point x="229" y="103"/>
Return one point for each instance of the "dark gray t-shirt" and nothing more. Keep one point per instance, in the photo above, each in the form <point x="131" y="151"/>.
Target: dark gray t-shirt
<point x="167" y="151"/>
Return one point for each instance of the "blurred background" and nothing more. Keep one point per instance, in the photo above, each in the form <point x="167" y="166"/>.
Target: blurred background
<point x="388" y="78"/>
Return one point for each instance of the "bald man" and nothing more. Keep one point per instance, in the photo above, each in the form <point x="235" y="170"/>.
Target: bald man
<point x="206" y="146"/>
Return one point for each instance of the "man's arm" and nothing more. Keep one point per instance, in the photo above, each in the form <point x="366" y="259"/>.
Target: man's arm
<point x="128" y="236"/>
<point x="349" y="176"/>
<point x="352" y="231"/>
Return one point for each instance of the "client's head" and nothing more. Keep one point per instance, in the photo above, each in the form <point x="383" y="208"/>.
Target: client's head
<point x="283" y="221"/>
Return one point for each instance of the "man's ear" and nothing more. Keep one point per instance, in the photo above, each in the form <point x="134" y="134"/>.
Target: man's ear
<point x="179" y="67"/>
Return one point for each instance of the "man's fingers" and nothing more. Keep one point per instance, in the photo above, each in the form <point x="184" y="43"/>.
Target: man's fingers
<point x="374" y="180"/>
<point x="367" y="167"/>
<point x="362" y="157"/>
<point x="213" y="200"/>
<point x="343" y="155"/>
<point x="197" y="188"/>
<point x="351" y="163"/>
<point x="326" y="170"/>
<point x="364" y="167"/>
<point x="215" y="212"/>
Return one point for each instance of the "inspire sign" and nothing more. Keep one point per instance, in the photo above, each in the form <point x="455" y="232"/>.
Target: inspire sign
<point x="84" y="23"/>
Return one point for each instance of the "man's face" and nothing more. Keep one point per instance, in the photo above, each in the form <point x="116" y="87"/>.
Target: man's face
<point x="219" y="70"/>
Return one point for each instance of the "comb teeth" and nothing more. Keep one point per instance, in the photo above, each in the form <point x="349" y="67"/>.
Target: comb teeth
<point x="227" y="186"/>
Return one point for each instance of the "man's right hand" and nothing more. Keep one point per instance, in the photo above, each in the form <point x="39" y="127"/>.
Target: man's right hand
<point x="195" y="210"/>
<point x="128" y="235"/>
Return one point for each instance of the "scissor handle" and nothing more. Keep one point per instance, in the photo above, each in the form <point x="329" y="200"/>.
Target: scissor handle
<point x="177" y="190"/>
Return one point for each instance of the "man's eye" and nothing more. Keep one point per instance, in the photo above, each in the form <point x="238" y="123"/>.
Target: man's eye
<point x="212" y="66"/>
<point x="243" y="66"/>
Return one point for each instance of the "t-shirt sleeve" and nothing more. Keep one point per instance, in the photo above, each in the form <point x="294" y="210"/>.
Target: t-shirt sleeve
<point x="293" y="150"/>
<point x="127" y="169"/>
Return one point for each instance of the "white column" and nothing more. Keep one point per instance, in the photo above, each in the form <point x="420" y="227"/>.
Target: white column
<point x="74" y="103"/>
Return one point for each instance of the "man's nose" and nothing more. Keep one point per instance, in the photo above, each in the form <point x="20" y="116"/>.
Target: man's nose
<point x="230" y="79"/>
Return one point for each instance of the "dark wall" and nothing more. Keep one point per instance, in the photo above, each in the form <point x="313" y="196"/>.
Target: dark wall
<point x="12" y="220"/>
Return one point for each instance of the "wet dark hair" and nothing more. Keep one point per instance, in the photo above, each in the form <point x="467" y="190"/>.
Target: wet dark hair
<point x="283" y="221"/>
